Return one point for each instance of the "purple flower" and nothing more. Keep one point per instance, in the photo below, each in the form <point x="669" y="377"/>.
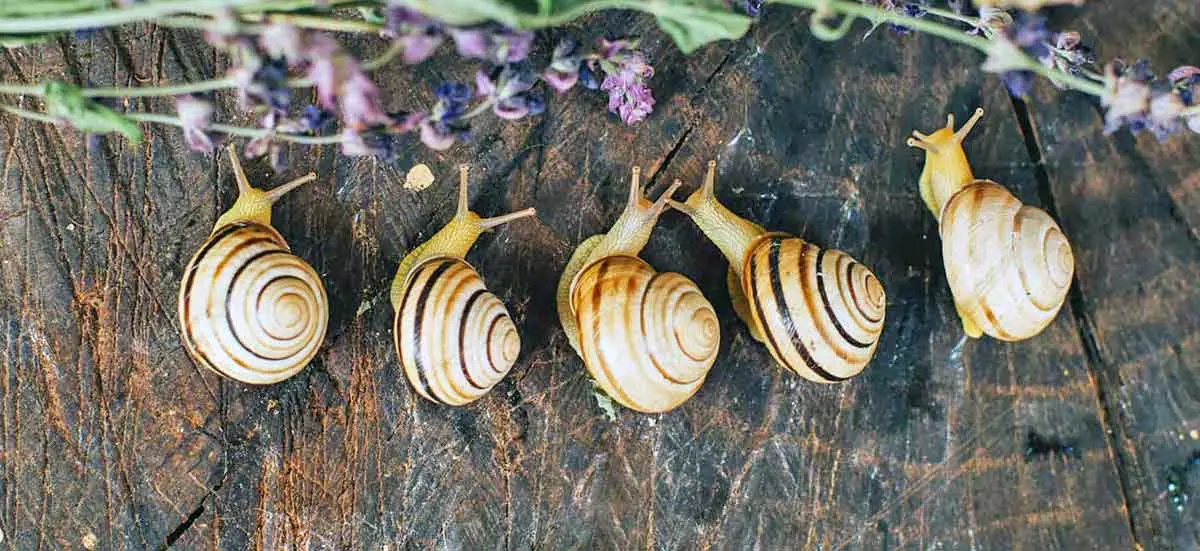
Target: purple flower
<point x="327" y="66"/>
<point x="1007" y="52"/>
<point x="315" y="119"/>
<point x="417" y="34"/>
<point x="589" y="75"/>
<point x="380" y="140"/>
<point x="751" y="7"/>
<point x="445" y="122"/>
<point x="264" y="82"/>
<point x="1068" y="54"/>
<point x="493" y="43"/>
<point x="915" y="10"/>
<point x="360" y="101"/>
<point x="259" y="146"/>
<point x="1127" y="99"/>
<point x="195" y="115"/>
<point x="375" y="141"/>
<point x="625" y="81"/>
<point x="563" y="72"/>
<point x="508" y="88"/>
<point x="337" y="76"/>
<point x="283" y="41"/>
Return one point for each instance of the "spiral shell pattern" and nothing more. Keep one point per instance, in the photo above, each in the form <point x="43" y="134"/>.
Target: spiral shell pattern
<point x="1008" y="264"/>
<point x="250" y="309"/>
<point x="648" y="338"/>
<point x="454" y="338"/>
<point x="819" y="311"/>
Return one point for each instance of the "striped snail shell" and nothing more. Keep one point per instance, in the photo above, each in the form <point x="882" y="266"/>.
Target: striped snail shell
<point x="647" y="338"/>
<point x="251" y="310"/>
<point x="819" y="312"/>
<point x="455" y="352"/>
<point x="1009" y="265"/>
<point x="454" y="339"/>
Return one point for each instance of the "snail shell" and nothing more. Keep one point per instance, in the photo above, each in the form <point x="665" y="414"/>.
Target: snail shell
<point x="250" y="309"/>
<point x="1008" y="264"/>
<point x="454" y="338"/>
<point x="818" y="310"/>
<point x="648" y="338"/>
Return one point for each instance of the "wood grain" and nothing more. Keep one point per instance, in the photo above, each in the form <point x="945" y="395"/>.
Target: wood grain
<point x="109" y="429"/>
<point x="1131" y="205"/>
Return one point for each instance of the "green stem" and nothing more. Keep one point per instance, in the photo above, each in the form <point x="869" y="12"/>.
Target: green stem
<point x="319" y="22"/>
<point x="156" y="91"/>
<point x="21" y="89"/>
<point x="825" y="8"/>
<point x="200" y="86"/>
<point x="947" y="14"/>
<point x="25" y="113"/>
<point x="150" y="10"/>
<point x="105" y="18"/>
<point x="237" y="130"/>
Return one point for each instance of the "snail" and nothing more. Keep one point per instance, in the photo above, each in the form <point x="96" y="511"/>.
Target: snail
<point x="454" y="339"/>
<point x="647" y="338"/>
<point x="250" y="309"/>
<point x="818" y="311"/>
<point x="1008" y="264"/>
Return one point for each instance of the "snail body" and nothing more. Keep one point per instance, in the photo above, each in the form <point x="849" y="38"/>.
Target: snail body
<point x="454" y="339"/>
<point x="249" y="309"/>
<point x="1008" y="264"/>
<point x="647" y="338"/>
<point x="818" y="311"/>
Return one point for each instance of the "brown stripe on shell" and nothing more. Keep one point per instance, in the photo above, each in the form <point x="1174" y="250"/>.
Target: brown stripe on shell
<point x="829" y="307"/>
<point x="451" y="311"/>
<point x="418" y="320"/>
<point x="224" y="349"/>
<point x="462" y="338"/>
<point x="784" y="311"/>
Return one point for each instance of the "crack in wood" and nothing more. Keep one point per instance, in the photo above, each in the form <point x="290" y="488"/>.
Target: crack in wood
<point x="1103" y="375"/>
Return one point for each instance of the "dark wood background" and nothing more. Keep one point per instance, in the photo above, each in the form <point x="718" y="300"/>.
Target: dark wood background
<point x="113" y="437"/>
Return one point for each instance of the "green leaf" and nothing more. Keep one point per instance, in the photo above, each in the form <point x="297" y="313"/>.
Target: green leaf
<point x="606" y="404"/>
<point x="19" y="40"/>
<point x="692" y="27"/>
<point x="690" y="23"/>
<point x="65" y="101"/>
<point x="372" y="15"/>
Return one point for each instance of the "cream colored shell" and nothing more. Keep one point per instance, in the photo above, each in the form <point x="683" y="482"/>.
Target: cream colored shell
<point x="250" y="309"/>
<point x="648" y="338"/>
<point x="1008" y="264"/>
<point x="455" y="339"/>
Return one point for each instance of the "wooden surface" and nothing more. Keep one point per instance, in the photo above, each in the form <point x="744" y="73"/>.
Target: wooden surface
<point x="113" y="437"/>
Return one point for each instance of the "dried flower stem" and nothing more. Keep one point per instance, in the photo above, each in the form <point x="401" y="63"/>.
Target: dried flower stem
<point x="826" y="8"/>
<point x="155" y="118"/>
<point x="947" y="14"/>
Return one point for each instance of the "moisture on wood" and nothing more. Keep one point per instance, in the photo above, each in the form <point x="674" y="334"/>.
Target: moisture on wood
<point x="113" y="438"/>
